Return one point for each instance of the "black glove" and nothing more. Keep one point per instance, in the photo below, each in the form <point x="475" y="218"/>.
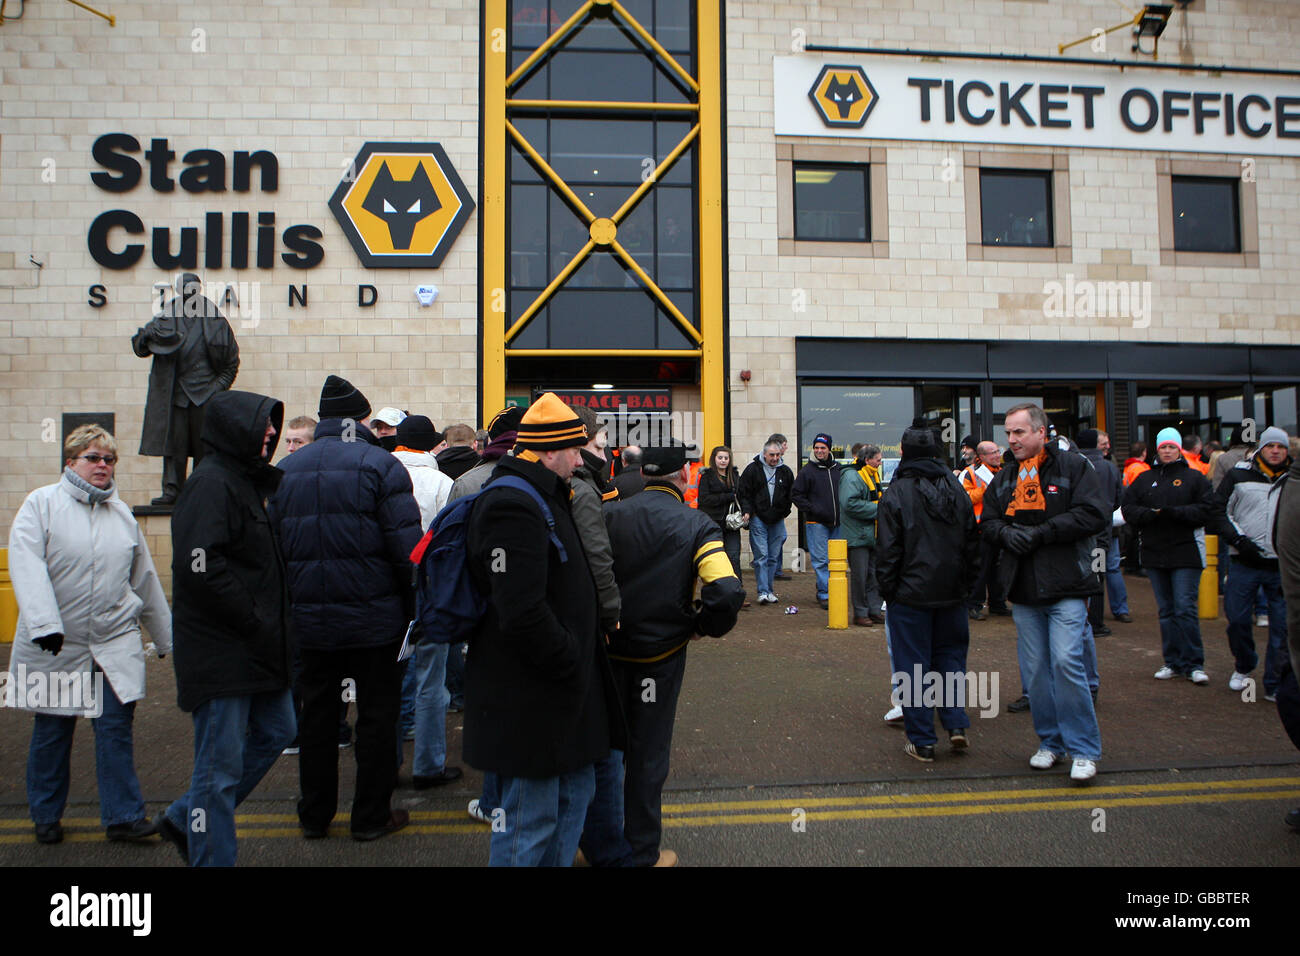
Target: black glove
<point x="1018" y="540"/>
<point x="1248" y="552"/>
<point x="53" y="643"/>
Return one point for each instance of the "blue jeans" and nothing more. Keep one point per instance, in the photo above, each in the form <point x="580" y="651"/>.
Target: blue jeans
<point x="766" y="541"/>
<point x="543" y="818"/>
<point x="1051" y="651"/>
<point x="603" y="840"/>
<point x="490" y="798"/>
<point x="1116" y="590"/>
<point x="49" y="764"/>
<point x="456" y="674"/>
<point x="1239" y="608"/>
<point x="406" y="715"/>
<point x="818" y="550"/>
<point x="236" y="740"/>
<point x="1180" y="629"/>
<point x="1090" y="657"/>
<point x="430" y="667"/>
<point x="931" y="640"/>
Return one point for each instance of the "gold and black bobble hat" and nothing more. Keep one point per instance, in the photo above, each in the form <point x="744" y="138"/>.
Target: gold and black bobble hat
<point x="550" y="425"/>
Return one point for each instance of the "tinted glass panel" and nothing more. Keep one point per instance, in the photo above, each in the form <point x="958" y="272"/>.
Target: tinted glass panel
<point x="533" y="335"/>
<point x="528" y="236"/>
<point x="1015" y="207"/>
<point x="533" y="130"/>
<point x="600" y="151"/>
<point x="582" y="75"/>
<point x="676" y="229"/>
<point x="830" y="203"/>
<point x="1205" y="215"/>
<point x="602" y="319"/>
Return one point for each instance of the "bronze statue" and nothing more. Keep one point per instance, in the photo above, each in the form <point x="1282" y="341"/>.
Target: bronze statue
<point x="194" y="357"/>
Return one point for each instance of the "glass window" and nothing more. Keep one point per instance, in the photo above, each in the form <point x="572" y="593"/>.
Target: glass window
<point x="831" y="202"/>
<point x="1016" y="207"/>
<point x="875" y="414"/>
<point x="1278" y="406"/>
<point x="1206" y="214"/>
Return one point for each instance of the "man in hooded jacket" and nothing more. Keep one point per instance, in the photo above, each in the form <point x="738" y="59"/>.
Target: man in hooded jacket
<point x="230" y="623"/>
<point x="927" y="556"/>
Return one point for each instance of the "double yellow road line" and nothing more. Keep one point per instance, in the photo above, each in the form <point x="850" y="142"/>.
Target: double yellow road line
<point x="784" y="810"/>
<point x="977" y="802"/>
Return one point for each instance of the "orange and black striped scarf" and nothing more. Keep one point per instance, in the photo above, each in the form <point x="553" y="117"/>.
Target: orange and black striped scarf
<point x="1029" y="493"/>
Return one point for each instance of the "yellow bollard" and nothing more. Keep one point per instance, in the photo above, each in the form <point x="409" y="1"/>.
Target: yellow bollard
<point x="838" y="590"/>
<point x="8" y="603"/>
<point x="1208" y="598"/>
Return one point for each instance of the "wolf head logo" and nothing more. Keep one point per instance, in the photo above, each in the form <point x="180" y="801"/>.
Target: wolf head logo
<point x="402" y="204"/>
<point x="843" y="92"/>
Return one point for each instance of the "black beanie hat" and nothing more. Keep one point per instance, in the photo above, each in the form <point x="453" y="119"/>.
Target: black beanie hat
<point x="919" y="441"/>
<point x="339" y="398"/>
<point x="417" y="432"/>
<point x="1086" y="438"/>
<point x="506" y="420"/>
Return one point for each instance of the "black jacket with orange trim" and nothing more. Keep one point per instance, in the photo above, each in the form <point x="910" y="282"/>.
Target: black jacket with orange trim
<point x="661" y="546"/>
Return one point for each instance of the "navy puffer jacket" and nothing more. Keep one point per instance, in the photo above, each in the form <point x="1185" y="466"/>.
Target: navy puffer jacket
<point x="347" y="522"/>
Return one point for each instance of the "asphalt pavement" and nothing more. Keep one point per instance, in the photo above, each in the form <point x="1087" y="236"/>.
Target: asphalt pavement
<point x="783" y="716"/>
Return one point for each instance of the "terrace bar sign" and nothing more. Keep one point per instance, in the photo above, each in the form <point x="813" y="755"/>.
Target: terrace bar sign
<point x="1047" y="105"/>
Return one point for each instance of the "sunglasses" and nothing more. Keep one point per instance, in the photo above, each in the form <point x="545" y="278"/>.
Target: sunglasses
<point x="95" y="459"/>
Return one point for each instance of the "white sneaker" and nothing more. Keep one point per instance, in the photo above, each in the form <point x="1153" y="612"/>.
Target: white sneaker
<point x="1083" y="770"/>
<point x="1164" y="673"/>
<point x="894" y="716"/>
<point x="1261" y="620"/>
<point x="1237" y="681"/>
<point x="1044" y="759"/>
<point x="1199" y="676"/>
<point x="476" y="813"/>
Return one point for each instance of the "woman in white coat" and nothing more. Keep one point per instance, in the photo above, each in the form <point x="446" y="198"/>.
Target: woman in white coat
<point x="85" y="582"/>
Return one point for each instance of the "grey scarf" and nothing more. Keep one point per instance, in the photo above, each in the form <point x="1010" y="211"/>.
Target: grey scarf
<point x="97" y="495"/>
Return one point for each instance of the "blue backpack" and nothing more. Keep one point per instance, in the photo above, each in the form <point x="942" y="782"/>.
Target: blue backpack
<point x="448" y="604"/>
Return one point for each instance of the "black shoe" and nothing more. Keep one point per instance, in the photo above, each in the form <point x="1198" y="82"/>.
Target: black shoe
<point x="1019" y="705"/>
<point x="824" y="604"/>
<point x="49" y="833"/>
<point x="448" y="775"/>
<point x="397" y="819"/>
<point x="876" y="618"/>
<point x="137" y="831"/>
<point x="924" y="753"/>
<point x="957" y="738"/>
<point x="1124" y="618"/>
<point x="1001" y="611"/>
<point x="175" y="836"/>
<point x="782" y="576"/>
<point x="1292" y="818"/>
<point x="977" y="614"/>
<point x="314" y="833"/>
<point x="1102" y="631"/>
<point x="455" y="708"/>
<point x="164" y="501"/>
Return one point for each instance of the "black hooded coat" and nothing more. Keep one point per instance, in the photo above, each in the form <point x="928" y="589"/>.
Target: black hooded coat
<point x="230" y="606"/>
<point x="927" y="544"/>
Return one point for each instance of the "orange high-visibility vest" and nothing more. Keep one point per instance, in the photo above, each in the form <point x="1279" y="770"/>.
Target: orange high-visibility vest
<point x="692" y="493"/>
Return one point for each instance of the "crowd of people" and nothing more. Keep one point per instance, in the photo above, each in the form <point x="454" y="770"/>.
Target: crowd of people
<point x="294" y="601"/>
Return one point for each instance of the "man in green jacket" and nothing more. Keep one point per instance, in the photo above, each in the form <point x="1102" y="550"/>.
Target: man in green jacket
<point x="859" y="499"/>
